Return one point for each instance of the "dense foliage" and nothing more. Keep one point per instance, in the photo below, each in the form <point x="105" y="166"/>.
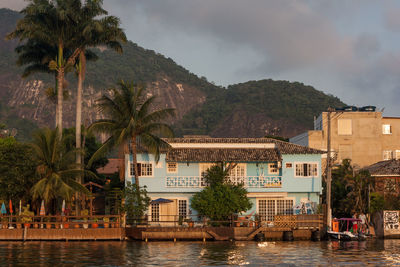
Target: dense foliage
<point x="220" y="199"/>
<point x="136" y="201"/>
<point x="17" y="170"/>
<point x="295" y="103"/>
<point x="350" y="190"/>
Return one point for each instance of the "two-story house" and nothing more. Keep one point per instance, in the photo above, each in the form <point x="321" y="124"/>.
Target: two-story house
<point x="362" y="135"/>
<point x="278" y="175"/>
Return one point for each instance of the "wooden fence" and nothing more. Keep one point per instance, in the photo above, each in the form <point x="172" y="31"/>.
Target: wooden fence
<point x="60" y="222"/>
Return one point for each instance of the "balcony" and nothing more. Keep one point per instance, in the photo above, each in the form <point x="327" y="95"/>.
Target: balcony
<point x="247" y="181"/>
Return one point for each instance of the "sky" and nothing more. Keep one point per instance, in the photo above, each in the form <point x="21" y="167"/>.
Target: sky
<point x="345" y="48"/>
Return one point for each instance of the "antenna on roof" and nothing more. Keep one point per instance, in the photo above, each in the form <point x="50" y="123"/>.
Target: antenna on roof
<point x="382" y="109"/>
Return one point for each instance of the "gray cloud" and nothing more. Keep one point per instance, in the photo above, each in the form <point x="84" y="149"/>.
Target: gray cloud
<point x="13" y="4"/>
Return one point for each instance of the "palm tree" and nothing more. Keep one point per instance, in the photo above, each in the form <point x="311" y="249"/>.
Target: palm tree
<point x="53" y="23"/>
<point x="93" y="32"/>
<point x="56" y="168"/>
<point x="130" y="117"/>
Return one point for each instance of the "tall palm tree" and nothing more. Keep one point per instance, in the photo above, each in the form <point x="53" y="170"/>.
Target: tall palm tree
<point x="53" y="23"/>
<point x="130" y="116"/>
<point x="93" y="32"/>
<point x="56" y="168"/>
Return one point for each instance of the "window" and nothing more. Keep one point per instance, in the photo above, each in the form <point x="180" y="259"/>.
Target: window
<point x="344" y="127"/>
<point x="289" y="165"/>
<point x="237" y="175"/>
<point x="155" y="212"/>
<point x="306" y="170"/>
<point x="390" y="185"/>
<point x="387" y="155"/>
<point x="182" y="208"/>
<point x="386" y="129"/>
<point x="172" y="167"/>
<point x="268" y="208"/>
<point x="144" y="169"/>
<point x="273" y="168"/>
<point x="397" y="154"/>
<point x="203" y="170"/>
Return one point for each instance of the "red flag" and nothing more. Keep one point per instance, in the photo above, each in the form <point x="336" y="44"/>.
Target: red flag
<point x="10" y="204"/>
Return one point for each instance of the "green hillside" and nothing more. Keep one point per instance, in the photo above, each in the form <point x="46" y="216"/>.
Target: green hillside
<point x="272" y="104"/>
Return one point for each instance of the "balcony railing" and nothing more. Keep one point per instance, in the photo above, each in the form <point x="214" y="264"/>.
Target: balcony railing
<point x="247" y="181"/>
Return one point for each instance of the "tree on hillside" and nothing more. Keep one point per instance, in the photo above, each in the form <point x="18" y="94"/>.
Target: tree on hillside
<point x="130" y="117"/>
<point x="56" y="168"/>
<point x="220" y="199"/>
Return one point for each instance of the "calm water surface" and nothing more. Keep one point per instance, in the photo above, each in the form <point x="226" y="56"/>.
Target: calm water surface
<point x="299" y="253"/>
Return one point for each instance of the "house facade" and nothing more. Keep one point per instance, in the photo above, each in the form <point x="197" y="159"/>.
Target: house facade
<point x="277" y="175"/>
<point x="365" y="137"/>
<point x="387" y="177"/>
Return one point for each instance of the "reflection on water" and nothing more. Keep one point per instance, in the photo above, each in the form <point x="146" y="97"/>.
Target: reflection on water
<point x="375" y="252"/>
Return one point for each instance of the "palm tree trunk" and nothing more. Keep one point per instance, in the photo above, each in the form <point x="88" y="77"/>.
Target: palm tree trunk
<point x="78" y="124"/>
<point x="60" y="82"/>
<point x="134" y="160"/>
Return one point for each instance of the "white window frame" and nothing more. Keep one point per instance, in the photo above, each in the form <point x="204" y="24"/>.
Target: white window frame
<point x="238" y="174"/>
<point x="169" y="170"/>
<point x="203" y="167"/>
<point x="141" y="168"/>
<point x="275" y="199"/>
<point x="387" y="154"/>
<point x="308" y="176"/>
<point x="271" y="168"/>
<point x="386" y="129"/>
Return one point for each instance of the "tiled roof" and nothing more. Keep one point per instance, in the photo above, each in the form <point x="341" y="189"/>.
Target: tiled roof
<point x="111" y="167"/>
<point x="233" y="154"/>
<point x="386" y="167"/>
<point x="225" y="154"/>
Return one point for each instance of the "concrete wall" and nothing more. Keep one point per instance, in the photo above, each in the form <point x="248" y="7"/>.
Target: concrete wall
<point x="365" y="144"/>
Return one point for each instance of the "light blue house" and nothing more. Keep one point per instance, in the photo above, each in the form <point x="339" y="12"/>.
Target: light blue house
<point x="278" y="175"/>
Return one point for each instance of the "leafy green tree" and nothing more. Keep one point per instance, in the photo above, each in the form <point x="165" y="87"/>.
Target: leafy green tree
<point x="130" y="117"/>
<point x="55" y="168"/>
<point x="220" y="199"/>
<point x="136" y="201"/>
<point x="350" y="190"/>
<point x="17" y="170"/>
<point x="377" y="202"/>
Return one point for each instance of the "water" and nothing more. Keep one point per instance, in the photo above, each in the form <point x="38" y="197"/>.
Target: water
<point x="130" y="253"/>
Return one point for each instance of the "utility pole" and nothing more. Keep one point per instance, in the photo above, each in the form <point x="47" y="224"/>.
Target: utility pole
<point x="329" y="173"/>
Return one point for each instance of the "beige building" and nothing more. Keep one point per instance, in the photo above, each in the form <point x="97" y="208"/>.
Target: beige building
<point x="364" y="137"/>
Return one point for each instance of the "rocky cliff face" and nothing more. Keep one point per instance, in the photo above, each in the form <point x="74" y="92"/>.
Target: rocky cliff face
<point x="31" y="102"/>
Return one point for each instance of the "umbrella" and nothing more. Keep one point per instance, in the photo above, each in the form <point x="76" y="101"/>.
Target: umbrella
<point x="20" y="206"/>
<point x="42" y="211"/>
<point x="10" y="206"/>
<point x="3" y="209"/>
<point x="161" y="200"/>
<point x="63" y="208"/>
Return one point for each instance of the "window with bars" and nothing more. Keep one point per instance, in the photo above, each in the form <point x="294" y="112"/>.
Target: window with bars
<point x="238" y="173"/>
<point x="387" y="155"/>
<point x="182" y="208"/>
<point x="172" y="167"/>
<point x="268" y="208"/>
<point x="144" y="169"/>
<point x="306" y="170"/>
<point x="203" y="170"/>
<point x="155" y="212"/>
<point x="273" y="168"/>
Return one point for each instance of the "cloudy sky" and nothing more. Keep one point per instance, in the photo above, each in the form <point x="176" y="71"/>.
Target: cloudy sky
<point x="350" y="49"/>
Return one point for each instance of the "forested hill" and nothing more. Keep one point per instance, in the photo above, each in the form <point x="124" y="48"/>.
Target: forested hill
<point x="252" y="109"/>
<point x="259" y="108"/>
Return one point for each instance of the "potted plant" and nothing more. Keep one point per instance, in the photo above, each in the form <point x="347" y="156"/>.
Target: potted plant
<point x="189" y="222"/>
<point x="4" y="222"/>
<point x="18" y="224"/>
<point x="106" y="222"/>
<point x="94" y="223"/>
<point x="47" y="223"/>
<point x="85" y="212"/>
